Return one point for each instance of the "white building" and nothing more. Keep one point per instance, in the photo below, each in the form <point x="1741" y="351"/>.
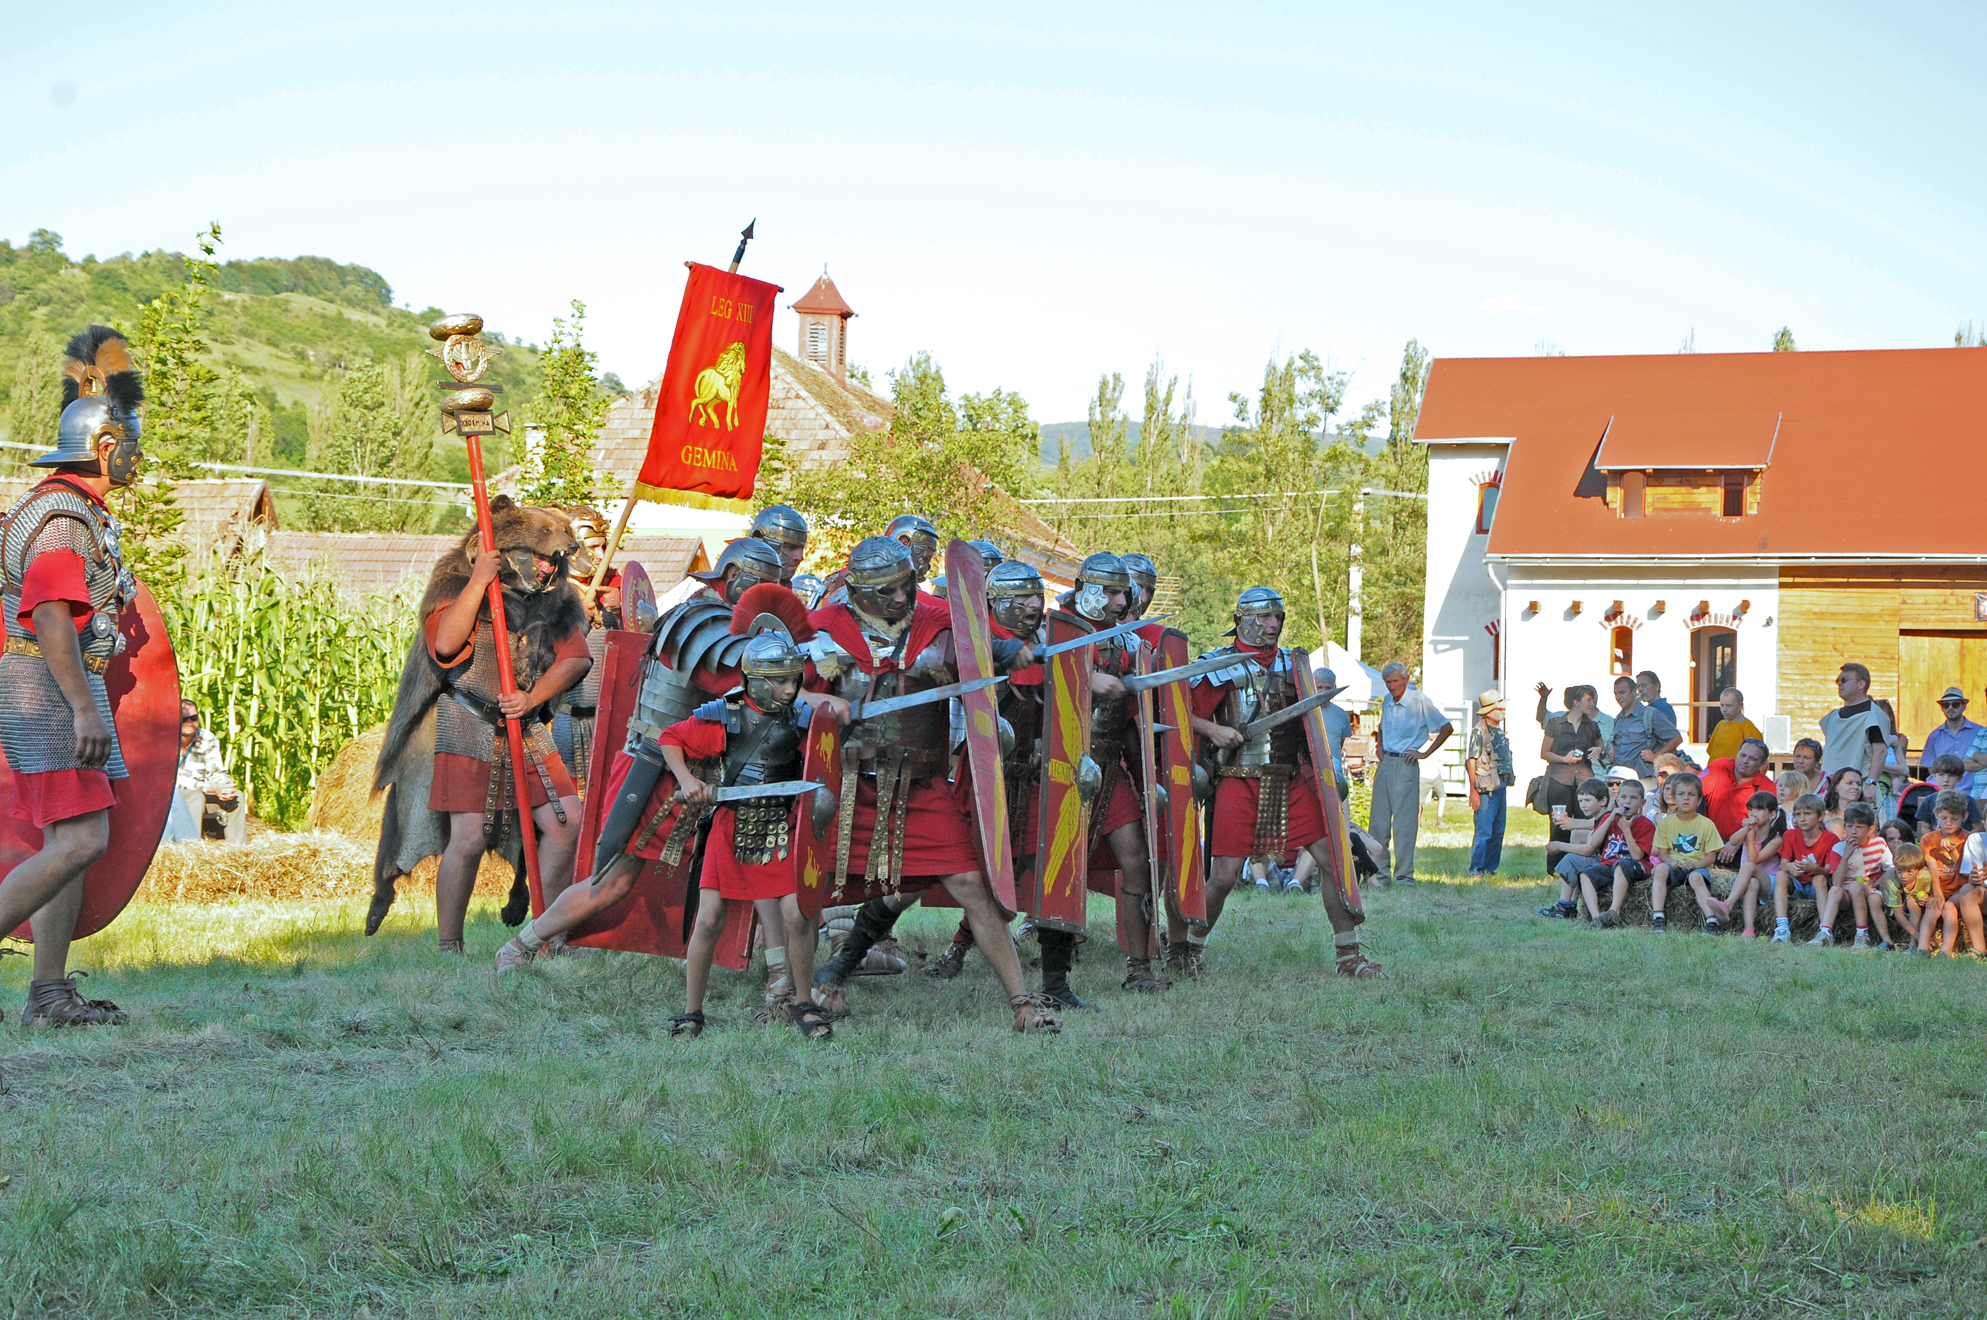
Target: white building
<point x="1726" y="520"/>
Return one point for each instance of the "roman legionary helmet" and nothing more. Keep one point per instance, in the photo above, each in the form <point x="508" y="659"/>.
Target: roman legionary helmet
<point x="1010" y="586"/>
<point x="1098" y="574"/>
<point x="1144" y="575"/>
<point x="100" y="397"/>
<point x="780" y="525"/>
<point x="769" y="656"/>
<point x="877" y="565"/>
<point x="756" y="561"/>
<point x="990" y="555"/>
<point x="810" y="589"/>
<point x="1251" y="608"/>
<point x="919" y="535"/>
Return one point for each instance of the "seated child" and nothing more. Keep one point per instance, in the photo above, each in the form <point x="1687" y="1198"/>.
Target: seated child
<point x="1947" y="771"/>
<point x="1759" y="857"/>
<point x="1805" y="853"/>
<point x="1955" y="896"/>
<point x="1789" y="785"/>
<point x="1862" y="867"/>
<point x="1898" y="832"/>
<point x="1589" y="800"/>
<point x="1684" y="843"/>
<point x="1660" y="804"/>
<point x="1914" y="883"/>
<point x="1622" y="840"/>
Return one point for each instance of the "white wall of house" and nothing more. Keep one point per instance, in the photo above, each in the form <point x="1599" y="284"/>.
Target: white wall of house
<point x="1556" y="646"/>
<point x="1457" y="653"/>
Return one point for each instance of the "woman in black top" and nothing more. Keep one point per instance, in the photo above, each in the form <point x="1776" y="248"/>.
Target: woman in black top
<point x="1570" y="741"/>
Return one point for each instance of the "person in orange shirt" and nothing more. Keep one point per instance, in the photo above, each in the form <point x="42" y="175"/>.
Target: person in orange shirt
<point x="1733" y="727"/>
<point x="1955" y="895"/>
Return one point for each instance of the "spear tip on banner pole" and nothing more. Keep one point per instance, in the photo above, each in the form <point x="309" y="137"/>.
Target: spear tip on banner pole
<point x="744" y="237"/>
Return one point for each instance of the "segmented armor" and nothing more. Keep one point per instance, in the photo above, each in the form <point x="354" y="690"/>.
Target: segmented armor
<point x="1275" y="757"/>
<point x="574" y="710"/>
<point x="897" y="750"/>
<point x="36" y="723"/>
<point x="1113" y="723"/>
<point x="760" y="747"/>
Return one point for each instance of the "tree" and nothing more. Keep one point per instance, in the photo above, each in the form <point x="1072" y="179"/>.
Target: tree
<point x="377" y="421"/>
<point x="1783" y="342"/>
<point x="570" y="406"/>
<point x="1395" y="537"/>
<point x="34" y="404"/>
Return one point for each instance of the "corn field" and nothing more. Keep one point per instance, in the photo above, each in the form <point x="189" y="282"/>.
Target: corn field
<point x="286" y="670"/>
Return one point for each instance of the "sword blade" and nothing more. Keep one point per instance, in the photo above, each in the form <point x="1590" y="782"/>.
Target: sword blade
<point x="781" y="788"/>
<point x="869" y="710"/>
<point x="1091" y="639"/>
<point x="1207" y="664"/>
<point x="1289" y="713"/>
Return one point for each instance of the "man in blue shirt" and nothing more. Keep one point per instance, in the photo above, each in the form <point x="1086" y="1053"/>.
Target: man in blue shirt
<point x="1651" y="690"/>
<point x="1408" y="719"/>
<point x="1338" y="725"/>
<point x="1953" y="738"/>
<point x="1641" y="733"/>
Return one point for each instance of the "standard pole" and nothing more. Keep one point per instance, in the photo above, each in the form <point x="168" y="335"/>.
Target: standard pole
<point x="614" y="538"/>
<point x="506" y="678"/>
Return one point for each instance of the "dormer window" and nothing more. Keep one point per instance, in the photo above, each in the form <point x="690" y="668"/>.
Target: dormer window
<point x="1699" y="463"/>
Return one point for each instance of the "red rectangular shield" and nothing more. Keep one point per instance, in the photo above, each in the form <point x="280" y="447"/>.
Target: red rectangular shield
<point x="1183" y="825"/>
<point x="972" y="642"/>
<point x="710" y="412"/>
<point x="814" y="851"/>
<point x="1339" y="869"/>
<point x="1063" y="852"/>
<point x="650" y="918"/>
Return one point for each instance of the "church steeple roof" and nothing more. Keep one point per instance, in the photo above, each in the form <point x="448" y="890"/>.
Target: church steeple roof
<point x="823" y="297"/>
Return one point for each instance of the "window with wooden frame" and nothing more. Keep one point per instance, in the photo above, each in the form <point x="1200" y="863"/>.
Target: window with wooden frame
<point x="1486" y="507"/>
<point x="1621" y="651"/>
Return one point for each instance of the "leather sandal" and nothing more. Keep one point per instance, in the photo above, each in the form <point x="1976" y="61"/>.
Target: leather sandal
<point x="687" y="1025"/>
<point x="832" y="1000"/>
<point x="61" y="1004"/>
<point x="812" y="1019"/>
<point x="452" y="946"/>
<point x="950" y="963"/>
<point x="1140" y="977"/>
<point x="1355" y="964"/>
<point x="511" y="955"/>
<point x="1032" y="1015"/>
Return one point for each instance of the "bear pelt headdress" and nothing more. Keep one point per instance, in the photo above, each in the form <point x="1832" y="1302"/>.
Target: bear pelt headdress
<point x="537" y="615"/>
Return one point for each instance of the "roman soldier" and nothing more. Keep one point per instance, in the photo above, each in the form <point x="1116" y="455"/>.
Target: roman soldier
<point x="1144" y="576"/>
<point x="445" y="758"/>
<point x="901" y="827"/>
<point x="918" y="536"/>
<point x="1269" y="793"/>
<point x="786" y="531"/>
<point x="65" y="586"/>
<point x="1101" y="596"/>
<point x="810" y="589"/>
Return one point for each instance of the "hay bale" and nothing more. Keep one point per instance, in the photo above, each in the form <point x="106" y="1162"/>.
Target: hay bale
<point x="313" y="864"/>
<point x="343" y="800"/>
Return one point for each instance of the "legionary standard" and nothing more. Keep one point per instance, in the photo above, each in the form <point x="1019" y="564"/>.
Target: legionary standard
<point x="59" y="546"/>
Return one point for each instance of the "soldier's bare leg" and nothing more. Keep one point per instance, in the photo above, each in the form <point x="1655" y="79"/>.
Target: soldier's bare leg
<point x="990" y="935"/>
<point x="556" y="845"/>
<point x="1345" y="926"/>
<point x="45" y="885"/>
<point x="1187" y="940"/>
<point x="455" y="878"/>
<point x="1134" y="906"/>
<point x="569" y="910"/>
<point x="703" y="945"/>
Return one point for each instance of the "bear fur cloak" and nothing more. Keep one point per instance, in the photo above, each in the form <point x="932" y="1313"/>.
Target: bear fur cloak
<point x="410" y="830"/>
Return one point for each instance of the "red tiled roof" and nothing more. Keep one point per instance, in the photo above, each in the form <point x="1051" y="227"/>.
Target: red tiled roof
<point x="1834" y="489"/>
<point x="823" y="297"/>
<point x="216" y="514"/>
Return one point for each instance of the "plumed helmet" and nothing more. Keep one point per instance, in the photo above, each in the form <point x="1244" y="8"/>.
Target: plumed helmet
<point x="876" y="565"/>
<point x="756" y="562"/>
<point x="990" y="554"/>
<point x="780" y="525"/>
<point x="770" y="656"/>
<point x="1252" y="607"/>
<point x="101" y="393"/>
<point x="1103" y="569"/>
<point x="810" y="589"/>
<point x="1012" y="588"/>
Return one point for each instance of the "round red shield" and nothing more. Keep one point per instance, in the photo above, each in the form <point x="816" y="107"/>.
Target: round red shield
<point x="638" y="612"/>
<point x="144" y="704"/>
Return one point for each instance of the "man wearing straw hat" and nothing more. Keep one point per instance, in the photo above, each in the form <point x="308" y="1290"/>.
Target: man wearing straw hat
<point x="1489" y="765"/>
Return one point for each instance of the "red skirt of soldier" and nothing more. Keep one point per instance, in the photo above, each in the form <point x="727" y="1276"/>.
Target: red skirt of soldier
<point x="462" y="784"/>
<point x="732" y="878"/>
<point x="938" y="835"/>
<point x="1235" y="815"/>
<point x="52" y="795"/>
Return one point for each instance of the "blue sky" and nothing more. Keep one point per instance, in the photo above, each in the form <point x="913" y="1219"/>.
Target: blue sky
<point x="1044" y="192"/>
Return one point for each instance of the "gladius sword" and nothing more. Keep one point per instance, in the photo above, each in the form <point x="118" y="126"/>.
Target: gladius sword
<point x="1207" y="664"/>
<point x="869" y="710"/>
<point x="746" y="792"/>
<point x="1288" y="713"/>
<point x="1091" y="639"/>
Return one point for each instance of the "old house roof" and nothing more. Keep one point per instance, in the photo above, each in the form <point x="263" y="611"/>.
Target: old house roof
<point x="1830" y="487"/>
<point x="219" y="516"/>
<point x="367" y="563"/>
<point x="823" y="297"/>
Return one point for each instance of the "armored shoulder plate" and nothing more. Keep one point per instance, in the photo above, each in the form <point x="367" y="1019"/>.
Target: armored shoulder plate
<point x="717" y="712"/>
<point x="696" y="634"/>
<point x="1235" y="673"/>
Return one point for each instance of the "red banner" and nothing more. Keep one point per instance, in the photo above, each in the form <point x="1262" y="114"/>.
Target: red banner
<point x="710" y="416"/>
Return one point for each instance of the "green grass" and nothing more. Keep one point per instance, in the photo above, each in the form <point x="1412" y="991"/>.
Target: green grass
<point x="1527" y="1119"/>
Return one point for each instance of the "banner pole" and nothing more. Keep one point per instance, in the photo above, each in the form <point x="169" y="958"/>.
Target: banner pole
<point x="506" y="677"/>
<point x="614" y="538"/>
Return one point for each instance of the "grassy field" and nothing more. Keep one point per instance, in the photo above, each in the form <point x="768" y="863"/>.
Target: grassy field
<point x="1527" y="1119"/>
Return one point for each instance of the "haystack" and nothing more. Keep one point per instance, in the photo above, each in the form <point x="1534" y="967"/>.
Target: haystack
<point x="343" y="800"/>
<point x="313" y="864"/>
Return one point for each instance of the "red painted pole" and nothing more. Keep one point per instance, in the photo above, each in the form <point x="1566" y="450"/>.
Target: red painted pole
<point x="506" y="678"/>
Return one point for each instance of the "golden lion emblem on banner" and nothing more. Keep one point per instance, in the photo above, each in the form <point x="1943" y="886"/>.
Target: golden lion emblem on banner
<point x="719" y="384"/>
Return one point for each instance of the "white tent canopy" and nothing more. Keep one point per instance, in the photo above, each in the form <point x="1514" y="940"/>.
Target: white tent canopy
<point x="1361" y="680"/>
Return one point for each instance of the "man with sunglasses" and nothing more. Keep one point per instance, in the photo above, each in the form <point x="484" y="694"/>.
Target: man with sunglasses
<point x="203" y="781"/>
<point x="1956" y="737"/>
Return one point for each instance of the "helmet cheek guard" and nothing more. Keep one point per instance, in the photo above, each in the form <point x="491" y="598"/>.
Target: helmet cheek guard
<point x="879" y="567"/>
<point x="1253" y="610"/>
<point x="771" y="659"/>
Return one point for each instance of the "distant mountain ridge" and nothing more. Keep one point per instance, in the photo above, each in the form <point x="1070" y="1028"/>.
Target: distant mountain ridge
<point x="1078" y="436"/>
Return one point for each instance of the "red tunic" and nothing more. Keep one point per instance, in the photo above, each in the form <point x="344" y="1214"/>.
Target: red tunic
<point x="51" y="795"/>
<point x="938" y="829"/>
<point x="1235" y="800"/>
<point x="462" y="783"/>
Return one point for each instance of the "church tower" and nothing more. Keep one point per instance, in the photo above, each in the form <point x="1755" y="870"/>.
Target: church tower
<point x="824" y="327"/>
